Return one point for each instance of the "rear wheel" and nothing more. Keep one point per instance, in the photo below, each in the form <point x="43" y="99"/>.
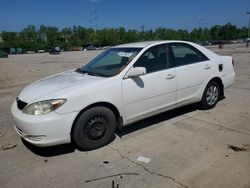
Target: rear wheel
<point x="210" y="96"/>
<point x="94" y="128"/>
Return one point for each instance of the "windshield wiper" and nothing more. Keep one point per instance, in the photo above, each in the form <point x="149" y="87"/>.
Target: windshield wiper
<point x="97" y="74"/>
<point x="79" y="70"/>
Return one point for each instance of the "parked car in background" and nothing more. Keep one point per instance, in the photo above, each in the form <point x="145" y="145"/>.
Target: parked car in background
<point x="40" y="51"/>
<point x="206" y="43"/>
<point x="55" y="51"/>
<point x="240" y="40"/>
<point x="30" y="52"/>
<point x="120" y="86"/>
<point x="91" y="47"/>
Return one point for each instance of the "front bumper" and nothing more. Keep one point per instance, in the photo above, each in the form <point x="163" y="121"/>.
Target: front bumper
<point x="43" y="130"/>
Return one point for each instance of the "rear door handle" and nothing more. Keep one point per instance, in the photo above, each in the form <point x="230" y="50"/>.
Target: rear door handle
<point x="207" y="67"/>
<point x="170" y="76"/>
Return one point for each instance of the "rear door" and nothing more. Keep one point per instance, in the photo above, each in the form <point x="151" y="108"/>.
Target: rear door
<point x="192" y="70"/>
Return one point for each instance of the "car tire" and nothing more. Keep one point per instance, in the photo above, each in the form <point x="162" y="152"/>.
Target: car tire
<point x="210" y="96"/>
<point x="94" y="128"/>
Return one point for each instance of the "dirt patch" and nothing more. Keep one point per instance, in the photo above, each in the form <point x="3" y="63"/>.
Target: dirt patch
<point x="245" y="147"/>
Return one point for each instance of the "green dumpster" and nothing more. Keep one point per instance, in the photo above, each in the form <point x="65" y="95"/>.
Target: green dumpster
<point x="3" y="54"/>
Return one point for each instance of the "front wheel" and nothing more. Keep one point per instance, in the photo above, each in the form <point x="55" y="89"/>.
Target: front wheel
<point x="94" y="128"/>
<point x="210" y="96"/>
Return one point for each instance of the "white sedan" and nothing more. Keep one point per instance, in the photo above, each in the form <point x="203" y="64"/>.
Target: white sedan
<point x="120" y="86"/>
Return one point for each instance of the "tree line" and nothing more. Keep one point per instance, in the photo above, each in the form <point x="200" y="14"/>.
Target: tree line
<point x="46" y="37"/>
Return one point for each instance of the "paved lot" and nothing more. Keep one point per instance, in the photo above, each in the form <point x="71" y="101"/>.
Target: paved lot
<point x="187" y="147"/>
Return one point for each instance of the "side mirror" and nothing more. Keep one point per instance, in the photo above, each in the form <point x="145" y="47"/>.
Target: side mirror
<point x="136" y="71"/>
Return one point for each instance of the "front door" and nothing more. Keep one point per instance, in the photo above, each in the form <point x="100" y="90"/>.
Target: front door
<point x="153" y="92"/>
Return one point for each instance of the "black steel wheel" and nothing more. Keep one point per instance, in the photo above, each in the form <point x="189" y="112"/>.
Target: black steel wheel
<point x="94" y="128"/>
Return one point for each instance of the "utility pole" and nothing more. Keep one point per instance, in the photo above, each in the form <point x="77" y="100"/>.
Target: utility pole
<point x="248" y="29"/>
<point x="202" y="22"/>
<point x="143" y="27"/>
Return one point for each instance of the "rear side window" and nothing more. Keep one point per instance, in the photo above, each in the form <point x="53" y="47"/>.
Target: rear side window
<point x="185" y="54"/>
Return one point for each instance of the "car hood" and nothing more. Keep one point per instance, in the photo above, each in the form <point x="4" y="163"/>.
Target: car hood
<point x="54" y="83"/>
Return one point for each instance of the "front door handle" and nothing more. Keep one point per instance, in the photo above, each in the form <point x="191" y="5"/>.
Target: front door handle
<point x="170" y="76"/>
<point x="207" y="67"/>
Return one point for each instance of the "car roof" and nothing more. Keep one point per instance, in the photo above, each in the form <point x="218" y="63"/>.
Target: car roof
<point x="146" y="43"/>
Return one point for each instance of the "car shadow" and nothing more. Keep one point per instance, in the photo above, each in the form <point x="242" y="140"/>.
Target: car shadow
<point x="156" y="119"/>
<point x="51" y="150"/>
<point x="160" y="118"/>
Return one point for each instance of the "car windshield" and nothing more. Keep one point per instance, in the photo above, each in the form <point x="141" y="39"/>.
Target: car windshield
<point x="110" y="62"/>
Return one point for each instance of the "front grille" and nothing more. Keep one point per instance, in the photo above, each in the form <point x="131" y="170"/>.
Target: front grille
<point x="20" y="104"/>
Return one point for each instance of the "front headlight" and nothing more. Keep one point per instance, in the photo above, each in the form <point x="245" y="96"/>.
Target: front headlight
<point x="43" y="107"/>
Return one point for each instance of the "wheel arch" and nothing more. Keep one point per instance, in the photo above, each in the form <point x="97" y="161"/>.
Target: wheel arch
<point x="108" y="105"/>
<point x="219" y="81"/>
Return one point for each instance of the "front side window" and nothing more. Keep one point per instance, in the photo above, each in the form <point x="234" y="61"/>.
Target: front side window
<point x="110" y="62"/>
<point x="154" y="59"/>
<point x="185" y="54"/>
